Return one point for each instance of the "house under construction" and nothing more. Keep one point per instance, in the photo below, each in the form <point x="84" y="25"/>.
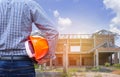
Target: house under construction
<point x="87" y="50"/>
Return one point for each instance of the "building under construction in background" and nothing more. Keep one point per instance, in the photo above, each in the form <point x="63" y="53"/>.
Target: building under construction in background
<point x="87" y="50"/>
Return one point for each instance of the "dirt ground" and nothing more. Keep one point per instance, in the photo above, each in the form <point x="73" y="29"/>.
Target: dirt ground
<point x="80" y="72"/>
<point x="77" y="74"/>
<point x="116" y="72"/>
<point x="94" y="74"/>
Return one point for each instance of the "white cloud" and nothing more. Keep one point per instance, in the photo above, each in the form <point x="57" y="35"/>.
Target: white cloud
<point x="115" y="6"/>
<point x="56" y="13"/>
<point x="64" y="21"/>
<point x="115" y="28"/>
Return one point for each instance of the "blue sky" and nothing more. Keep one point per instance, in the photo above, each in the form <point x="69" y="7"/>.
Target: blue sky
<point x="83" y="16"/>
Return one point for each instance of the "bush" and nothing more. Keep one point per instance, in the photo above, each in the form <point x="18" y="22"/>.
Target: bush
<point x="36" y="66"/>
<point x="117" y="65"/>
<point x="107" y="64"/>
<point x="95" y="69"/>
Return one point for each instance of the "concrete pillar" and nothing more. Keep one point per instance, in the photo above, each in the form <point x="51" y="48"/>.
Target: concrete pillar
<point x="94" y="59"/>
<point x="111" y="62"/>
<point x="119" y="57"/>
<point x="97" y="58"/>
<point x="80" y="60"/>
<point x="65" y="59"/>
<point x="51" y="64"/>
<point x="115" y="57"/>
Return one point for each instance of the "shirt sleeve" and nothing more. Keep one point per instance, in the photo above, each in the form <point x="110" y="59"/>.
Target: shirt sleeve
<point x="44" y="24"/>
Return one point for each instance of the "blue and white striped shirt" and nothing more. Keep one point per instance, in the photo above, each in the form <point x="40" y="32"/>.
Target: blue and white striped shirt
<point x="16" y="18"/>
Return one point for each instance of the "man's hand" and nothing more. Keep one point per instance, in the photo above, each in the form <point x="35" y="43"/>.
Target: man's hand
<point x="44" y="60"/>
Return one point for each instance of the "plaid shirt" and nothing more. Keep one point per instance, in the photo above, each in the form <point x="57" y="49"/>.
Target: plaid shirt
<point x="16" y="18"/>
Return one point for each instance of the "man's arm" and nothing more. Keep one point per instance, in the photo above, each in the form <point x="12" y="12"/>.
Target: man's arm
<point x="48" y="29"/>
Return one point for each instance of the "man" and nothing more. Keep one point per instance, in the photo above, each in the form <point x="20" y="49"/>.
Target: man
<point x="16" y="18"/>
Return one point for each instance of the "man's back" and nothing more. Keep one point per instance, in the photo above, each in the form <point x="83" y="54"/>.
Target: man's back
<point x="16" y="18"/>
<point x="15" y="25"/>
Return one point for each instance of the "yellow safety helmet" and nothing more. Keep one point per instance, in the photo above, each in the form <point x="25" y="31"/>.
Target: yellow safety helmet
<point x="36" y="47"/>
